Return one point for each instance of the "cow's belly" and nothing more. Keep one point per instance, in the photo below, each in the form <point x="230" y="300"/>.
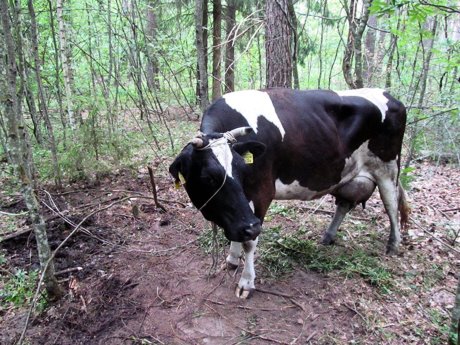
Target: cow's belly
<point x="295" y="191"/>
<point x="355" y="165"/>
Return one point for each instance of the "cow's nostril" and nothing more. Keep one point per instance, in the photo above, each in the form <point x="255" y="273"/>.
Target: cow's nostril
<point x="253" y="230"/>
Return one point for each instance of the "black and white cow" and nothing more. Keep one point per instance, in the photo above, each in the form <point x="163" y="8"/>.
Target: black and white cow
<point x="256" y="146"/>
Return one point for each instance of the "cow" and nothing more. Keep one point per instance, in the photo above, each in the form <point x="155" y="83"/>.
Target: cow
<point x="255" y="146"/>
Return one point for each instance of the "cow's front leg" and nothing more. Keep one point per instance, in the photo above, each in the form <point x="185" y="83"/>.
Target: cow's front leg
<point x="246" y="285"/>
<point x="234" y="256"/>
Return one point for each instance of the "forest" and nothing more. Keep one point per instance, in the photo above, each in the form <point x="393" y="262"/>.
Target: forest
<point x="98" y="246"/>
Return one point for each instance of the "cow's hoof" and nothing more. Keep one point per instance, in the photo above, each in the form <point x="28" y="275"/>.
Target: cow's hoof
<point x="243" y="293"/>
<point x="392" y="250"/>
<point x="327" y="240"/>
<point x="228" y="266"/>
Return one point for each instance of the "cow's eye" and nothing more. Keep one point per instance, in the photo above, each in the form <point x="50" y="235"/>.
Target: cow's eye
<point x="213" y="178"/>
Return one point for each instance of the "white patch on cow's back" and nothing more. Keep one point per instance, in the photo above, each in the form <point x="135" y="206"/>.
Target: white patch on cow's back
<point x="294" y="191"/>
<point x="252" y="104"/>
<point x="224" y="156"/>
<point x="374" y="96"/>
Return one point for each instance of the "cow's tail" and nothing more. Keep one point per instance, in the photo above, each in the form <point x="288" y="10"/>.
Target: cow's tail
<point x="403" y="206"/>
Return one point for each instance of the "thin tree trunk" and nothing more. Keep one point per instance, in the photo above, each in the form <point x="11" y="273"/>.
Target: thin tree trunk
<point x="216" y="49"/>
<point x="41" y="95"/>
<point x="455" y="325"/>
<point x="201" y="56"/>
<point x="66" y="64"/>
<point x="24" y="87"/>
<point x="352" y="65"/>
<point x="294" y="47"/>
<point x="371" y="35"/>
<point x="278" y="44"/>
<point x="57" y="72"/>
<point x="427" y="46"/>
<point x="320" y="57"/>
<point x="230" y="27"/>
<point x="152" y="63"/>
<point x="18" y="146"/>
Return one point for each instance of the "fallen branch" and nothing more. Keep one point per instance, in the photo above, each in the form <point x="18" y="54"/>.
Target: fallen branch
<point x="451" y="209"/>
<point x="14" y="234"/>
<point x="433" y="236"/>
<point x="14" y="214"/>
<point x="68" y="270"/>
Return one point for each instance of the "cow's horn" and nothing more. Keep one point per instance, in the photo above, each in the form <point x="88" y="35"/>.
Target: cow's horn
<point x="238" y="132"/>
<point x="197" y="142"/>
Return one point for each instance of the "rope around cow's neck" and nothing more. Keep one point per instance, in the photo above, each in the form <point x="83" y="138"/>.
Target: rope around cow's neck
<point x="228" y="137"/>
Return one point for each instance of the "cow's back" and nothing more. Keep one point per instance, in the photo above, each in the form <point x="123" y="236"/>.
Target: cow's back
<point x="311" y="135"/>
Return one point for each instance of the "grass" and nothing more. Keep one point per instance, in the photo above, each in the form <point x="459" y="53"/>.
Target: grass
<point x="205" y="240"/>
<point x="280" y="253"/>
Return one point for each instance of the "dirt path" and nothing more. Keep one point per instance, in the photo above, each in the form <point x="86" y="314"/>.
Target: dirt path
<point x="144" y="280"/>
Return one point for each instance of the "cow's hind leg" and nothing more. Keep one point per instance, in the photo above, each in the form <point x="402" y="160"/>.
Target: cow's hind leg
<point x="389" y="193"/>
<point x="246" y="285"/>
<point x="358" y="190"/>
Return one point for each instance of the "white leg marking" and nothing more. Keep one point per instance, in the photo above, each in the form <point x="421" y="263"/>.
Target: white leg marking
<point x="246" y="283"/>
<point x="233" y="258"/>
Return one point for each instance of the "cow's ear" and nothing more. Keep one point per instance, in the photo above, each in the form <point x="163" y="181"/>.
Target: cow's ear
<point x="175" y="169"/>
<point x="249" y="150"/>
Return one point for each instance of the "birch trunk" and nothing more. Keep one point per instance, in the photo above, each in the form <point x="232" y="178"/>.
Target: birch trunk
<point x="352" y="65"/>
<point x="455" y="325"/>
<point x="201" y="56"/>
<point x="18" y="147"/>
<point x="41" y="94"/>
<point x="66" y="64"/>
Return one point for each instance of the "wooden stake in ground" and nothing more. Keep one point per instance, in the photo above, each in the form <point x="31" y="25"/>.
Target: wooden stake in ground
<point x="154" y="190"/>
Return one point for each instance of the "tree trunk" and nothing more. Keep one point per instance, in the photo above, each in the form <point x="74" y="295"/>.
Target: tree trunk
<point x="152" y="63"/>
<point x="278" y="44"/>
<point x="201" y="55"/>
<point x="216" y="49"/>
<point x="427" y="46"/>
<point x="18" y="148"/>
<point x="57" y="72"/>
<point x="295" y="40"/>
<point x="41" y="94"/>
<point x="66" y="64"/>
<point x="369" y="53"/>
<point x="352" y="64"/>
<point x="455" y="325"/>
<point x="230" y="27"/>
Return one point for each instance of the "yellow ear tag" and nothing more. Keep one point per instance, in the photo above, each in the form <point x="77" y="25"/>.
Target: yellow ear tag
<point x="181" y="178"/>
<point x="248" y="158"/>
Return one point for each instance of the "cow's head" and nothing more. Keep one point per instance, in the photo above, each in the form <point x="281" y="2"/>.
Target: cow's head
<point x="213" y="168"/>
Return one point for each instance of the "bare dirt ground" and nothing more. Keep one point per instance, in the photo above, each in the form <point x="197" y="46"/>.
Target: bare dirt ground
<point x="144" y="276"/>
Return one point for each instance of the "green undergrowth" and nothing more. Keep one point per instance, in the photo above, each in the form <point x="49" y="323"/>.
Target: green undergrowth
<point x="280" y="253"/>
<point x="17" y="289"/>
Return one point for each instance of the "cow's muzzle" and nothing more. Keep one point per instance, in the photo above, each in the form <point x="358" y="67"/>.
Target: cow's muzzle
<point x="246" y="233"/>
